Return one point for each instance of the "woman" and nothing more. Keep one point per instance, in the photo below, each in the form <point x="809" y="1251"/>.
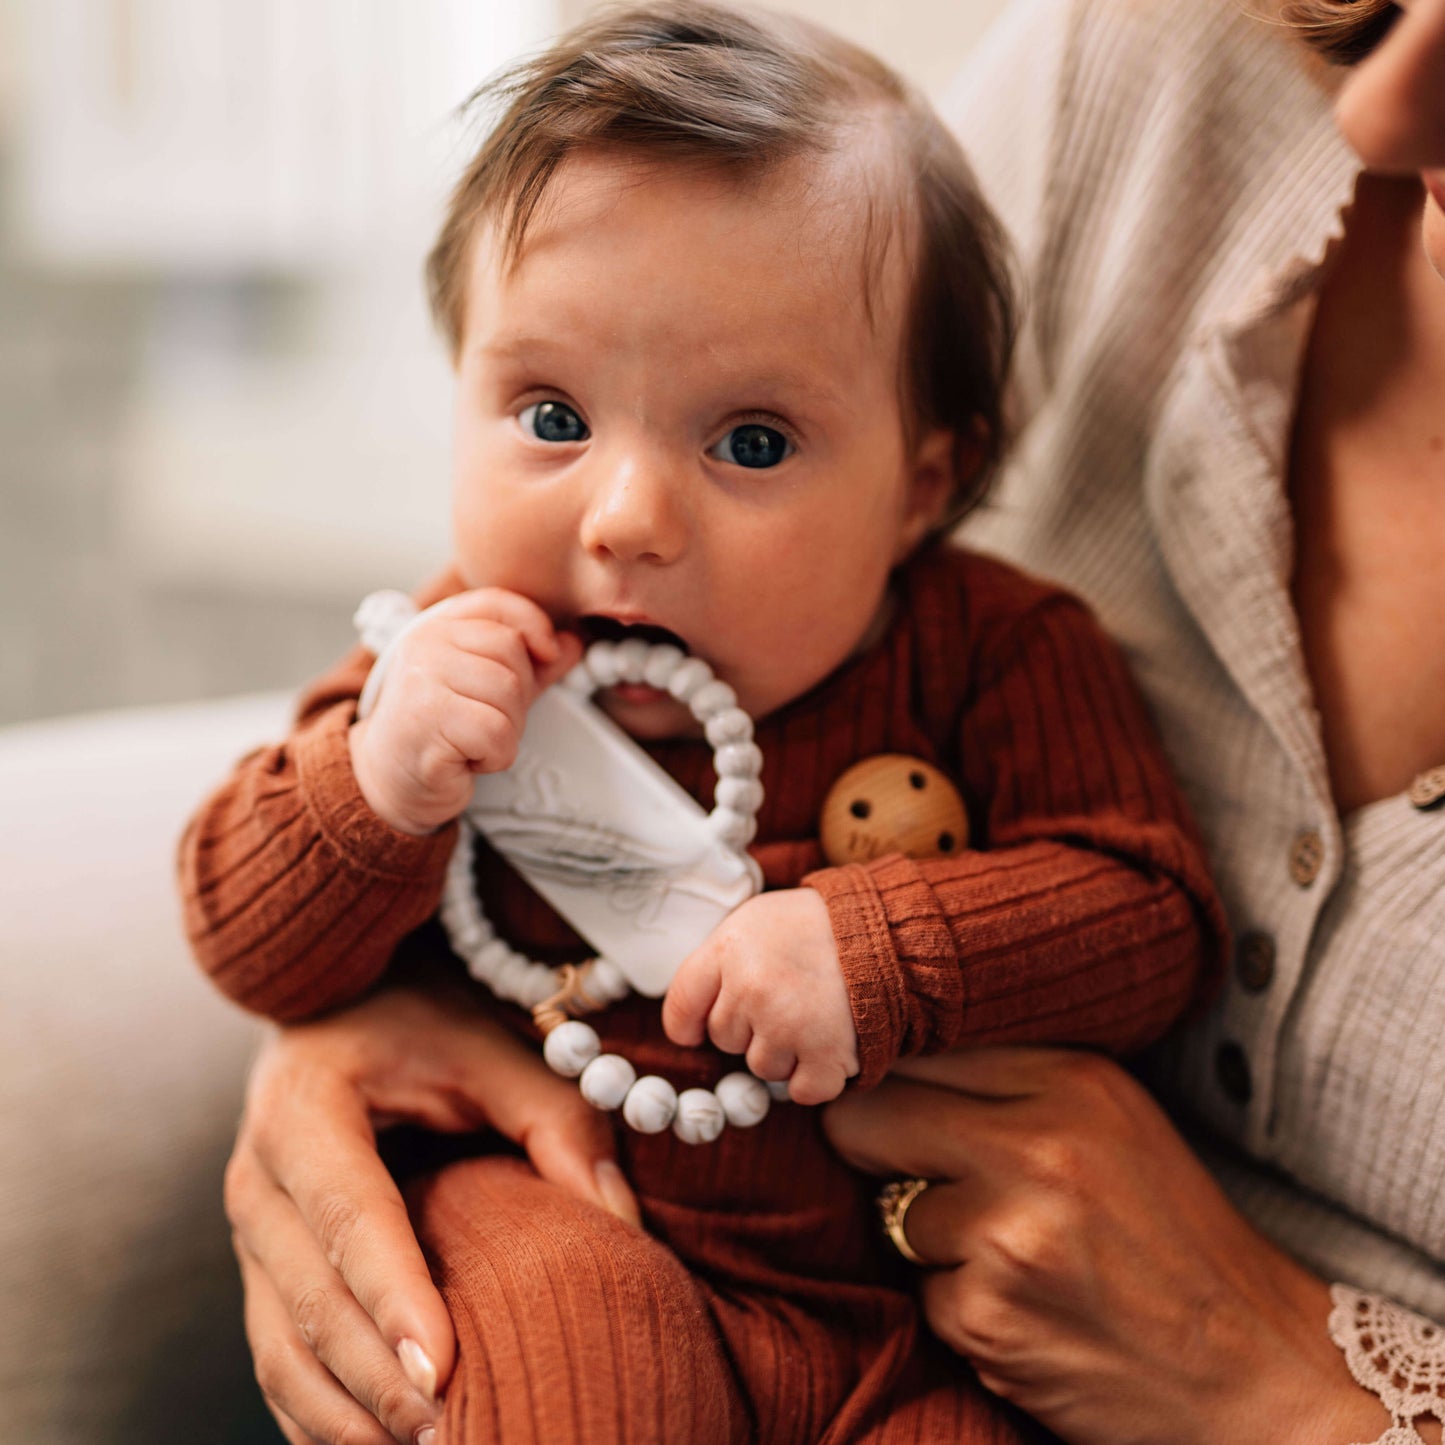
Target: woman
<point x="1175" y="179"/>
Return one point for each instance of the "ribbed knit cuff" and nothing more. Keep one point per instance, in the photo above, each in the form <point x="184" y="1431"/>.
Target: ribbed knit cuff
<point x="871" y="972"/>
<point x="344" y="818"/>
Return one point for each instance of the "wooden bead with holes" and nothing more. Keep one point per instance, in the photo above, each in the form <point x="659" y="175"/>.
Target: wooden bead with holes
<point x="892" y="804"/>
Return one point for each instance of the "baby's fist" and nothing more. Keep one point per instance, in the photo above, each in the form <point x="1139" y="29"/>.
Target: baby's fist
<point x="768" y="983"/>
<point x="453" y="704"/>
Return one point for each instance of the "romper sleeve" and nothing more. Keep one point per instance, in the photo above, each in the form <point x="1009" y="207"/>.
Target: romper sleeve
<point x="1085" y="916"/>
<point x="294" y="893"/>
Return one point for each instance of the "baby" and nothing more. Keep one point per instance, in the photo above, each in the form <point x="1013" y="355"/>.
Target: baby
<point x="729" y="323"/>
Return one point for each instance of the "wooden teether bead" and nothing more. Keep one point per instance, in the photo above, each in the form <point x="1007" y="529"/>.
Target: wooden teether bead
<point x="892" y="804"/>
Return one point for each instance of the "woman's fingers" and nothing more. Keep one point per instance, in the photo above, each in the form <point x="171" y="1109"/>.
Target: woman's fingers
<point x="309" y="1405"/>
<point x="342" y="1335"/>
<point x="999" y="1073"/>
<point x="313" y="1144"/>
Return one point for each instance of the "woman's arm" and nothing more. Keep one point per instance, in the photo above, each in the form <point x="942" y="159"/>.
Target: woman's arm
<point x="336" y="1285"/>
<point x="1088" y="1266"/>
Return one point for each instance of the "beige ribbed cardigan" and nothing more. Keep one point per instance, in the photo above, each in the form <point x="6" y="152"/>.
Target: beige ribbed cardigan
<point x="1172" y="177"/>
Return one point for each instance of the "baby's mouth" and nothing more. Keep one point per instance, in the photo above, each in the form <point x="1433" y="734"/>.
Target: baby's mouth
<point x="597" y="628"/>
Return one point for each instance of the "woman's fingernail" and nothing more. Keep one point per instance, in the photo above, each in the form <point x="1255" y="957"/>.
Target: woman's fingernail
<point x="426" y="1436"/>
<point x="615" y="1193"/>
<point x="419" y="1370"/>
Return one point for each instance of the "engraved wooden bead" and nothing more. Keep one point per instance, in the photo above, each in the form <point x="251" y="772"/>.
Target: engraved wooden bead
<point x="744" y="1099"/>
<point x="700" y="1118"/>
<point x="892" y="804"/>
<point x="570" y="1047"/>
<point x="606" y="1081"/>
<point x="650" y="1105"/>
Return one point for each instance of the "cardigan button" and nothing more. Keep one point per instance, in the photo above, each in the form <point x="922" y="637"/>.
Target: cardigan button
<point x="1306" y="857"/>
<point x="1428" y="790"/>
<point x="1254" y="960"/>
<point x="1231" y="1069"/>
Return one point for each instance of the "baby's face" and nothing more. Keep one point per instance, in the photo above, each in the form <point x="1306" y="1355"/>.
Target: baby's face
<point x="674" y="413"/>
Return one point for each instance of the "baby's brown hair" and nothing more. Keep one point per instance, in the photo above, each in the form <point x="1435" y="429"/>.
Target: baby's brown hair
<point x="741" y="90"/>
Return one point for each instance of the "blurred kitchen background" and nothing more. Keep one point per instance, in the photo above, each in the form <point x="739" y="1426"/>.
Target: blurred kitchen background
<point x="223" y="415"/>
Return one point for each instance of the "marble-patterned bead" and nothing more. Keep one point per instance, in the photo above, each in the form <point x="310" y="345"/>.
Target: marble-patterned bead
<point x="739" y="795"/>
<point x="662" y="661"/>
<point x="732" y="725"/>
<point x="650" y="1105"/>
<point x="692" y="673"/>
<point x="606" y="1080"/>
<point x="744" y="1099"/>
<point x="712" y="699"/>
<point x="632" y="659"/>
<point x="579" y="680"/>
<point x="603" y="664"/>
<point x="736" y="830"/>
<point x="491" y="959"/>
<point x="700" y="1118"/>
<point x="381" y="618"/>
<point x="778" y="1089"/>
<point x="607" y="983"/>
<point x="570" y="1047"/>
<point x="738" y="760"/>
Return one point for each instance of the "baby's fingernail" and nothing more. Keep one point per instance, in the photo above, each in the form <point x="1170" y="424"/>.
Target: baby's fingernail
<point x="426" y="1436"/>
<point x="420" y="1371"/>
<point x="615" y="1193"/>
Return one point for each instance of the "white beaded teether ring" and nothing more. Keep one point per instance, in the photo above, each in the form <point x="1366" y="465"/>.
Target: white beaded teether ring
<point x="571" y="1047"/>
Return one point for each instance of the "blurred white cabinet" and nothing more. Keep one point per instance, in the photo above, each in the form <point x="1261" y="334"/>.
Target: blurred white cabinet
<point x="239" y="134"/>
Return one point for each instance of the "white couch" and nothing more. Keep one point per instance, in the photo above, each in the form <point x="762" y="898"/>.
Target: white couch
<point x="120" y="1083"/>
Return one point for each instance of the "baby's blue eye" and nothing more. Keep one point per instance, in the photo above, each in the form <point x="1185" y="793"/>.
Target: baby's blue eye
<point x="553" y="421"/>
<point x="753" y="445"/>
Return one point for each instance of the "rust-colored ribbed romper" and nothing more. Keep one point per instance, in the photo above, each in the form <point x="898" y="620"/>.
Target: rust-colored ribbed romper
<point x="761" y="1303"/>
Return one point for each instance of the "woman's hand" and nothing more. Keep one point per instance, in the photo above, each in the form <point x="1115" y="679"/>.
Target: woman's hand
<point x="351" y="1339"/>
<point x="1089" y="1267"/>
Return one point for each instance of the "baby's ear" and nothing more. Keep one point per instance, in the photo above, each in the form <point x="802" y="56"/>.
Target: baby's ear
<point x="943" y="463"/>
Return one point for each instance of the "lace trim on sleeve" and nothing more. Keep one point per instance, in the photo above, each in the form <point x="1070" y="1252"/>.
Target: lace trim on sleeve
<point x="1393" y="1353"/>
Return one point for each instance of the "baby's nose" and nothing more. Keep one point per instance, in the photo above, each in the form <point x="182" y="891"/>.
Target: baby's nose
<point x="637" y="512"/>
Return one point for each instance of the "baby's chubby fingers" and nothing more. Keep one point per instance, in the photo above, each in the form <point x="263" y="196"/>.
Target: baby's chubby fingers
<point x="691" y="996"/>
<point x="552" y="651"/>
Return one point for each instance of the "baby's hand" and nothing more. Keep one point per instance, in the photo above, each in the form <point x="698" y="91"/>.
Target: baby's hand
<point x="768" y="983"/>
<point x="454" y="704"/>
